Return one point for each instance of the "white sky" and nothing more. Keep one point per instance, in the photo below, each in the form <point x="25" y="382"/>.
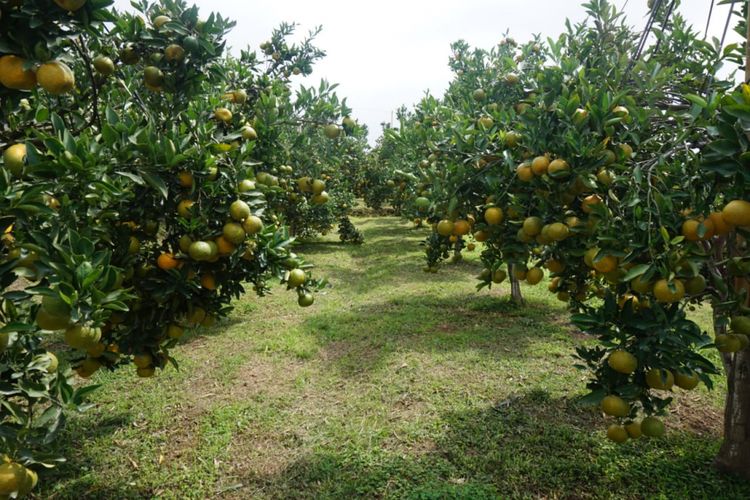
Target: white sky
<point x="387" y="53"/>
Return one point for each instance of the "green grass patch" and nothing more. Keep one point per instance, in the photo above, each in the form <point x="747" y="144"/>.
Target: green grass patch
<point x="397" y="383"/>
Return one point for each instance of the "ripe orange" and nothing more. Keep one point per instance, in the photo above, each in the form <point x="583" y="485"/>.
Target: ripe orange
<point x="555" y="266"/>
<point x="532" y="226"/>
<point x="634" y="429"/>
<point x="606" y="264"/>
<point x="445" y="227"/>
<point x="622" y="361"/>
<point x="691" y="228"/>
<point x="185" y="179"/>
<point x="534" y="276"/>
<point x="493" y="216"/>
<point x="14" y="76"/>
<point x="589" y="202"/>
<point x="55" y="77"/>
<point x="252" y="225"/>
<point x="640" y="285"/>
<point x="617" y="433"/>
<point x="499" y="276"/>
<point x="481" y="236"/>
<point x="223" y="114"/>
<point x="539" y="165"/>
<point x="737" y="213"/>
<point x="183" y="208"/>
<point x="665" y="294"/>
<point x="721" y="227"/>
<point x="461" y="227"/>
<point x="615" y="406"/>
<point x="659" y="378"/>
<point x="558" y="169"/>
<point x="14" y="158"/>
<point x="557" y="231"/>
<point x="225" y="247"/>
<point x="234" y="233"/>
<point x="174" y="331"/>
<point x="686" y="379"/>
<point x="167" y="261"/>
<point x="524" y="172"/>
<point x="208" y="281"/>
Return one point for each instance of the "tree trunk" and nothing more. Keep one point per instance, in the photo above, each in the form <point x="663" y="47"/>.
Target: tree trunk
<point x="734" y="455"/>
<point x="515" y="287"/>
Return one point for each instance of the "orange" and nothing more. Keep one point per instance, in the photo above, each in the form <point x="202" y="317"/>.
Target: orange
<point x="534" y="276"/>
<point x="617" y="433"/>
<point x="737" y="213"/>
<point x="589" y="201"/>
<point x="524" y="172"/>
<point x="532" y="226"/>
<point x="558" y="168"/>
<point x="481" y="236"/>
<point x="167" y="261"/>
<point x="55" y="77"/>
<point x="721" y="227"/>
<point x="658" y="378"/>
<point x="539" y="165"/>
<point x="691" y="227"/>
<point x="14" y="76"/>
<point x="208" y="281"/>
<point x="183" y="208"/>
<point x="615" y="406"/>
<point x="605" y="265"/>
<point x="461" y="227"/>
<point x="622" y="361"/>
<point x="555" y="266"/>
<point x="493" y="216"/>
<point x="664" y="293"/>
<point x="225" y="247"/>
<point x="223" y="114"/>
<point x="185" y="179"/>
<point x="445" y="227"/>
<point x="652" y="427"/>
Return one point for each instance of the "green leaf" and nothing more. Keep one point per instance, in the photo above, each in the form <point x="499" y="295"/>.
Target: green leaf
<point x="156" y="183"/>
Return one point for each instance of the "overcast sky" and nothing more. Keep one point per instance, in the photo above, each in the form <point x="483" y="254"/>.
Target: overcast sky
<point x="387" y="53"/>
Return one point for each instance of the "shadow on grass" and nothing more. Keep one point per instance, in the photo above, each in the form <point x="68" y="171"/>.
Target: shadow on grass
<point x="529" y="446"/>
<point x="362" y="339"/>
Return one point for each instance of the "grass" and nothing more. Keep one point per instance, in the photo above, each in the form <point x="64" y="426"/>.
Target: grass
<point x="395" y="384"/>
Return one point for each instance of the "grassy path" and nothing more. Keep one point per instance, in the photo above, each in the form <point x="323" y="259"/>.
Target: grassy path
<point x="395" y="384"/>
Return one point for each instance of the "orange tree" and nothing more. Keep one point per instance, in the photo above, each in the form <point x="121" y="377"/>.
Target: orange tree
<point x="398" y="171"/>
<point x="611" y="172"/>
<point x="308" y="147"/>
<point x="128" y="210"/>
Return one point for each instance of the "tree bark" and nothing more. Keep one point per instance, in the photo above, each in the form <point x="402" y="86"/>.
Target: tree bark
<point x="515" y="287"/>
<point x="734" y="455"/>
